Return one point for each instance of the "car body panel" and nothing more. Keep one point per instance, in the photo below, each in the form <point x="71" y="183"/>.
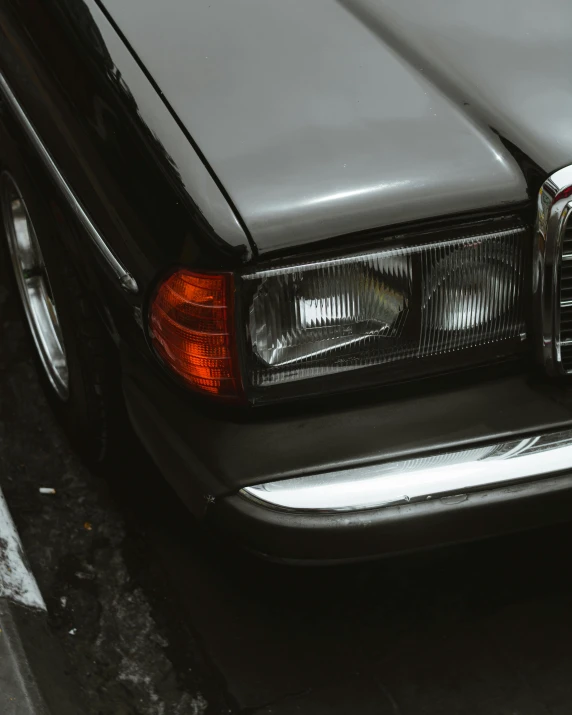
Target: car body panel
<point x="115" y="142"/>
<point x="232" y="450"/>
<point x="178" y="160"/>
<point x="313" y="123"/>
<point x="341" y="537"/>
<point x="197" y="181"/>
<point x="508" y="62"/>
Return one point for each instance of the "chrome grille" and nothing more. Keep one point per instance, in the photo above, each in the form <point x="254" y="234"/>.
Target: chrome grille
<point x="552" y="273"/>
<point x="565" y="341"/>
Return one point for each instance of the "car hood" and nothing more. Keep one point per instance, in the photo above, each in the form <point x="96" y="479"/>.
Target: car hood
<point x="324" y="118"/>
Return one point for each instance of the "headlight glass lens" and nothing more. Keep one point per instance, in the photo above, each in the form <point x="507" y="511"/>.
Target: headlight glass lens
<point x="405" y="303"/>
<point x="329" y="311"/>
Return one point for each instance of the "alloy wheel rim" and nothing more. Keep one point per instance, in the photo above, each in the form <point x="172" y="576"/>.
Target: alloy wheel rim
<point x="34" y="287"/>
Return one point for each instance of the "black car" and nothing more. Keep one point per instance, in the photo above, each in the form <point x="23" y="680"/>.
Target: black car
<point x="320" y="251"/>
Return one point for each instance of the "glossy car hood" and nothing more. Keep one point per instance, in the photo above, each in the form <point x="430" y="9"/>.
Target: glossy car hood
<point x="324" y="118"/>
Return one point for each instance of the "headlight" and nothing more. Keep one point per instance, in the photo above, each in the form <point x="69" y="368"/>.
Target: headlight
<point x="386" y="306"/>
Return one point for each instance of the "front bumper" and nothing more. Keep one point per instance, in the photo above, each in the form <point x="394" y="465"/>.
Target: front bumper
<point x="350" y="479"/>
<point x="409" y="504"/>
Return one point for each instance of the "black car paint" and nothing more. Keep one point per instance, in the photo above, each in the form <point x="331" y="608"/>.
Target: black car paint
<point x="335" y="538"/>
<point x="109" y="149"/>
<point x="56" y="60"/>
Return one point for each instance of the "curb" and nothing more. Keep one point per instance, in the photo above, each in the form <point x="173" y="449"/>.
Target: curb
<point x="17" y="582"/>
<point x="19" y="692"/>
<point x="32" y="672"/>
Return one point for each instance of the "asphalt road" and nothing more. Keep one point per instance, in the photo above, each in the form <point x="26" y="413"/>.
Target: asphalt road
<point x="156" y="617"/>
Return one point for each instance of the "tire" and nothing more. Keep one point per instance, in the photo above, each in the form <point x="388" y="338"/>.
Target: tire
<point x="84" y="393"/>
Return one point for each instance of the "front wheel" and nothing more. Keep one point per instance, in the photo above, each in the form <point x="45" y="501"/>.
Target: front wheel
<point x="74" y="358"/>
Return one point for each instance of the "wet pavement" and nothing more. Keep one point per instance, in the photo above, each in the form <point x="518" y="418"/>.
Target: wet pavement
<point x="156" y="617"/>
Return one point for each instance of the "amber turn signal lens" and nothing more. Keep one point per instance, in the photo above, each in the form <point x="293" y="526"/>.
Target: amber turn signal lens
<point x="191" y="327"/>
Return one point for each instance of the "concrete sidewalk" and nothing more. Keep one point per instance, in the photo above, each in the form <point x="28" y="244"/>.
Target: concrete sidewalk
<point x="27" y="655"/>
<point x="19" y="692"/>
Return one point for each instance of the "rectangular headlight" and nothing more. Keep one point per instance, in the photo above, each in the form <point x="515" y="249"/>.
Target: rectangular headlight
<point x="375" y="308"/>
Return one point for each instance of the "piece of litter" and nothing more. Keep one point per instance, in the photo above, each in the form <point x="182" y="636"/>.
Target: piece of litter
<point x="87" y="526"/>
<point x="84" y="576"/>
<point x="64" y="601"/>
<point x="47" y="490"/>
<point x="73" y="631"/>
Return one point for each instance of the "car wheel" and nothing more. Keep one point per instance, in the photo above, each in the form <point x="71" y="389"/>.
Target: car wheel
<point x="74" y="358"/>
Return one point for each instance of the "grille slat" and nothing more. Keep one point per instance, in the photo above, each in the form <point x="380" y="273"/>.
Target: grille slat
<point x="566" y="299"/>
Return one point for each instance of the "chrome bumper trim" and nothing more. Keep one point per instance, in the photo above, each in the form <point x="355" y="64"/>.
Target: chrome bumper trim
<point x="125" y="278"/>
<point x="448" y="475"/>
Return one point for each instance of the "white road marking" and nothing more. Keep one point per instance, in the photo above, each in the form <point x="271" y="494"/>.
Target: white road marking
<point x="16" y="580"/>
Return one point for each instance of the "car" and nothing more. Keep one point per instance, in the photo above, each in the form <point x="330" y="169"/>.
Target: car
<point x="320" y="252"/>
